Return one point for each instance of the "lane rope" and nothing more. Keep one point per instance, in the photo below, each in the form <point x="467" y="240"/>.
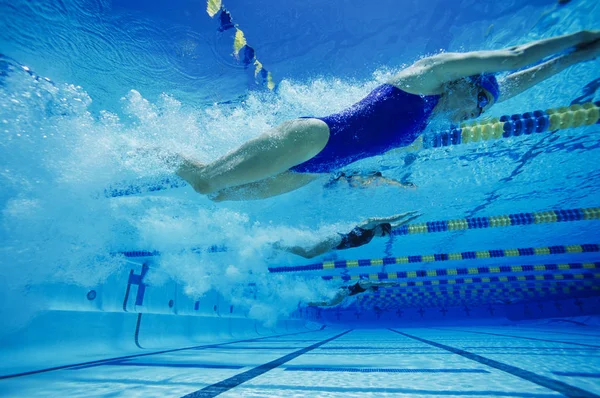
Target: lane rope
<point x="430" y="258"/>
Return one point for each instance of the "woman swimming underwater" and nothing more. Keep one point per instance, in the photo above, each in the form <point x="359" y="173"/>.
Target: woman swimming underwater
<point x="457" y="86"/>
<point x="357" y="288"/>
<point x="360" y="235"/>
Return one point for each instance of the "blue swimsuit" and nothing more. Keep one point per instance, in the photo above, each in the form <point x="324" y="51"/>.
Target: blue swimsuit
<point x="385" y="119"/>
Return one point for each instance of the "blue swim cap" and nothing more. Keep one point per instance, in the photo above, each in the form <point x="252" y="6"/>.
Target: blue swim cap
<point x="487" y="81"/>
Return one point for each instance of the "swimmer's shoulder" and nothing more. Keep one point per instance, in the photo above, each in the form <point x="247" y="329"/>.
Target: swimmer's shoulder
<point x="420" y="78"/>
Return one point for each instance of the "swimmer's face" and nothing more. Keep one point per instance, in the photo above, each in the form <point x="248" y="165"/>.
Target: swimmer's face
<point x="464" y="100"/>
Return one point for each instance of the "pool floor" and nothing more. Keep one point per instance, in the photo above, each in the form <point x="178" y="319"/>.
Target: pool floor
<point x="419" y="362"/>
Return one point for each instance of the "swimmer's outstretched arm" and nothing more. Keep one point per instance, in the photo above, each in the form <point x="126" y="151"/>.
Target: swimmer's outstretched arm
<point x="518" y="82"/>
<point x="396" y="220"/>
<point x="428" y="75"/>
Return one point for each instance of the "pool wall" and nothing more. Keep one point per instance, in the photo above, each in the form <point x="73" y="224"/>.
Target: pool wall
<point x="125" y="316"/>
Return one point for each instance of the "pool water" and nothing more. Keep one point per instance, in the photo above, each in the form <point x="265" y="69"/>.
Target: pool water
<point x="117" y="278"/>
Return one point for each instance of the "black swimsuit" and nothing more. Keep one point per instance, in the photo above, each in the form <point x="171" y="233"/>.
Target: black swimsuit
<point x="357" y="237"/>
<point x="356" y="289"/>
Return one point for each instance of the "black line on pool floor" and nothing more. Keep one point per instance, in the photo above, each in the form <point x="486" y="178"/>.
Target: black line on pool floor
<point x="523" y="337"/>
<point x="104" y="361"/>
<point x="555" y="385"/>
<point x="227" y="384"/>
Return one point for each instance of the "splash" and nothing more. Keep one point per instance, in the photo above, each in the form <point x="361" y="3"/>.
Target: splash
<point x="57" y="156"/>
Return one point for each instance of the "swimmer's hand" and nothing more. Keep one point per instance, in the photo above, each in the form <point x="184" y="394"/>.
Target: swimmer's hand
<point x="587" y="51"/>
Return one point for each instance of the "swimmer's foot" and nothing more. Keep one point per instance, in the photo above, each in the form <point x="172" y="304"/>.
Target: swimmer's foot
<point x="193" y="173"/>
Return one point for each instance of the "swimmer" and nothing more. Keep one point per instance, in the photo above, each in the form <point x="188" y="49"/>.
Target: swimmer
<point x="360" y="235"/>
<point x="357" y="179"/>
<point x="454" y="86"/>
<point x="352" y="290"/>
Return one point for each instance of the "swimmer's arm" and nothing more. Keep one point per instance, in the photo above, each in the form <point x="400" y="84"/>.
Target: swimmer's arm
<point x="518" y="82"/>
<point x="395" y="220"/>
<point x="427" y="76"/>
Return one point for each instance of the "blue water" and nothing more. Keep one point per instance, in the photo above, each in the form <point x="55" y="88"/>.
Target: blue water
<point x="83" y="84"/>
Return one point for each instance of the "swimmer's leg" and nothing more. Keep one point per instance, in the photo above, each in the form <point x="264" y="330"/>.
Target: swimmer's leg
<point x="272" y="186"/>
<point x="314" y="250"/>
<point x="339" y="297"/>
<point x="270" y="154"/>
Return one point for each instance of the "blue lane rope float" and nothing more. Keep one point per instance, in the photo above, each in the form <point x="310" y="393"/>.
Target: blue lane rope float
<point x="469" y="255"/>
<point x="487" y="297"/>
<point x="500" y="269"/>
<point x="469" y="287"/>
<point x="482" y="292"/>
<point x="478" y="291"/>
<point x="442" y="289"/>
<point x="497" y="299"/>
<point x="496" y="282"/>
<point x="509" y="220"/>
<point x="241" y="50"/>
<point x="515" y="125"/>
